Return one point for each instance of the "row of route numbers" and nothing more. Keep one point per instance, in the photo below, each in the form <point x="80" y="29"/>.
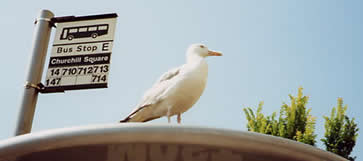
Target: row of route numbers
<point x="75" y="75"/>
<point x="92" y="80"/>
<point x="80" y="70"/>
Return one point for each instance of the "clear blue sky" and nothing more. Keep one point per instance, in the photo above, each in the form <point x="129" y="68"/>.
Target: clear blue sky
<point x="270" y="49"/>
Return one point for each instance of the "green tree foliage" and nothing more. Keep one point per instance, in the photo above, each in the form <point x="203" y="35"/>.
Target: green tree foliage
<point x="295" y="121"/>
<point x="259" y="123"/>
<point x="340" y="132"/>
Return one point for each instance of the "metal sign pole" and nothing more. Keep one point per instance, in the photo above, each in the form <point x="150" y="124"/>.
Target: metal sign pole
<point x="35" y="70"/>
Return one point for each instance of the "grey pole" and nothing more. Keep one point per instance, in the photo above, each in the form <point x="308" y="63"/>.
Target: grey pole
<point x="35" y="70"/>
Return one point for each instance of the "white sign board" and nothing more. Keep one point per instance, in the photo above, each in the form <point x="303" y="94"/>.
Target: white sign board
<point x="81" y="53"/>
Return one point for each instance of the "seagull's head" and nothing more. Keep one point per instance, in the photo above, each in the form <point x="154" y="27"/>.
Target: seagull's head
<point x="200" y="51"/>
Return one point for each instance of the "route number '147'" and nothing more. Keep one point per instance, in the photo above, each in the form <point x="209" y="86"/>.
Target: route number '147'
<point x="53" y="81"/>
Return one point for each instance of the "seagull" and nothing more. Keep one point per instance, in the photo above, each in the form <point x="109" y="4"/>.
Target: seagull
<point x="176" y="90"/>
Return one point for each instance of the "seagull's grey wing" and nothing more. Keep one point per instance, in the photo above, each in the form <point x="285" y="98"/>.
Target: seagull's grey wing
<point x="169" y="75"/>
<point x="153" y="95"/>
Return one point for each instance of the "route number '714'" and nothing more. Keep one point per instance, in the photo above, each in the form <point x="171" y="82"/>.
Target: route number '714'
<point x="99" y="78"/>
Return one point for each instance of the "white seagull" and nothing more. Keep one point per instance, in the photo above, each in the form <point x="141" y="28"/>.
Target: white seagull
<point x="177" y="90"/>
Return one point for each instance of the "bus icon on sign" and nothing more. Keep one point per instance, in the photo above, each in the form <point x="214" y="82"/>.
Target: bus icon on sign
<point x="93" y="31"/>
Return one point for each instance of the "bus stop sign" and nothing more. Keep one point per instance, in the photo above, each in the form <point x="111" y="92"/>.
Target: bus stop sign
<point x="81" y="52"/>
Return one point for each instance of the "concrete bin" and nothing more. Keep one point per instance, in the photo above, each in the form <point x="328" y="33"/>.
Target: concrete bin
<point x="153" y="142"/>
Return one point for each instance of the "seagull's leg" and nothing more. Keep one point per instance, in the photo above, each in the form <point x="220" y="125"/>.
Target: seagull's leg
<point x="179" y="118"/>
<point x="168" y="115"/>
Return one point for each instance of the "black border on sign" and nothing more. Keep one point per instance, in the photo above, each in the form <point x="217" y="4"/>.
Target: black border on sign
<point x="82" y="18"/>
<point x="73" y="87"/>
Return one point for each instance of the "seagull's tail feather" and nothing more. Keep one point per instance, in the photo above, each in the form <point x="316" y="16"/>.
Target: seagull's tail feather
<point x="125" y="120"/>
<point x="129" y="117"/>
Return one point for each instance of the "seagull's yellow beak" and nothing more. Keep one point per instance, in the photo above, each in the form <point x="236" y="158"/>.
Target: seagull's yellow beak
<point x="214" y="53"/>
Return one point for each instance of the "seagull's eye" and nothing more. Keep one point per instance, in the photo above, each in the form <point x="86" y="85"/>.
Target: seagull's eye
<point x="201" y="46"/>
